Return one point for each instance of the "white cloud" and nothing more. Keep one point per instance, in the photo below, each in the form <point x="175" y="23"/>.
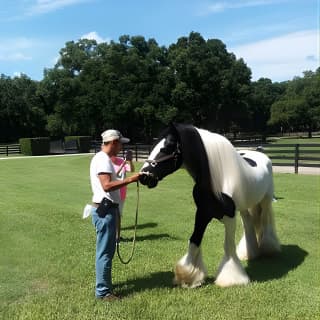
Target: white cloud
<point x="281" y="58"/>
<point x="45" y="6"/>
<point x="222" y="6"/>
<point x="17" y="74"/>
<point x="14" y="56"/>
<point x="93" y="35"/>
<point x="15" y="49"/>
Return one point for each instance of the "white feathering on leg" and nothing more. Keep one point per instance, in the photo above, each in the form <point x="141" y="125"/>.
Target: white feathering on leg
<point x="269" y="243"/>
<point x="190" y="271"/>
<point x="231" y="273"/>
<point x="247" y="248"/>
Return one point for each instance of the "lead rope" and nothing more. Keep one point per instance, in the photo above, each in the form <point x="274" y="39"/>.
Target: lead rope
<point x="134" y="233"/>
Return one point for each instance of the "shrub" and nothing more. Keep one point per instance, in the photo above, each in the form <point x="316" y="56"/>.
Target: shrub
<point x="35" y="146"/>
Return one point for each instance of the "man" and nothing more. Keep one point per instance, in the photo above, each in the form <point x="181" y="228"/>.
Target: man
<point x="105" y="208"/>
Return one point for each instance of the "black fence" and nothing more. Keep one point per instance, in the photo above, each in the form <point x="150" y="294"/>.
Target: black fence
<point x="286" y="155"/>
<point x="10" y="149"/>
<point x="140" y="151"/>
<point x="290" y="155"/>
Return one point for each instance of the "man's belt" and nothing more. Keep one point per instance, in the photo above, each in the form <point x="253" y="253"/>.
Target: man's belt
<point x="104" y="206"/>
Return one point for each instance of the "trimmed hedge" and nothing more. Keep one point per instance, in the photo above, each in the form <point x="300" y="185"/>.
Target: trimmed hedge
<point x="35" y="146"/>
<point x="83" y="142"/>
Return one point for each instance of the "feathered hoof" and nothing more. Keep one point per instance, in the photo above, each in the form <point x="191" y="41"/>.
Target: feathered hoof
<point x="247" y="251"/>
<point x="231" y="273"/>
<point x="269" y="244"/>
<point x="244" y="255"/>
<point x="188" y="276"/>
<point x="223" y="282"/>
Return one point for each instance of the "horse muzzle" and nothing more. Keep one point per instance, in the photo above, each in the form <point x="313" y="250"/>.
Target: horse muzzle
<point x="148" y="179"/>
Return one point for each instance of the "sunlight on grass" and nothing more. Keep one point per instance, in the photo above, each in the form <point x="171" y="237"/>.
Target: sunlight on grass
<point x="47" y="250"/>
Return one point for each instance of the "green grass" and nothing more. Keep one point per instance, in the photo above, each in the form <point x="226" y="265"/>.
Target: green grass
<point x="47" y="250"/>
<point x="293" y="140"/>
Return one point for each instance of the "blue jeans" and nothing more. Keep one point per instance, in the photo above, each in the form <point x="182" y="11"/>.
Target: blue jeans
<point x="105" y="249"/>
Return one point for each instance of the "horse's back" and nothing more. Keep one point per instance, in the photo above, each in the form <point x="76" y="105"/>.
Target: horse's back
<point x="258" y="170"/>
<point x="258" y="157"/>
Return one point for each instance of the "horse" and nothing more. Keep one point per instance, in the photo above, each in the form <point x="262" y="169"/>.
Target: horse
<point x="225" y="181"/>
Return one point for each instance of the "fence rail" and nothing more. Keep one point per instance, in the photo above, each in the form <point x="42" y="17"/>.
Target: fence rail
<point x="10" y="149"/>
<point x="285" y="155"/>
<point x="291" y="155"/>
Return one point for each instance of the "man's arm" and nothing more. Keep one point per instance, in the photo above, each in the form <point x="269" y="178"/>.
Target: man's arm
<point x="109" y="185"/>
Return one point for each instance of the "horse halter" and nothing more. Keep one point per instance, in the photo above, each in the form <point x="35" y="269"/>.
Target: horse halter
<point x="174" y="155"/>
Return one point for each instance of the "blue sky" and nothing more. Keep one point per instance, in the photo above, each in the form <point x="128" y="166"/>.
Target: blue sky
<point x="278" y="39"/>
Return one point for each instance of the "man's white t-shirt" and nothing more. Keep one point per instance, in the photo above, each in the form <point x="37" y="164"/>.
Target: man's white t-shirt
<point x="101" y="163"/>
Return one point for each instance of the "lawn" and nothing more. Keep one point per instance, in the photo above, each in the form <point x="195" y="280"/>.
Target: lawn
<point x="47" y="250"/>
<point x="294" y="140"/>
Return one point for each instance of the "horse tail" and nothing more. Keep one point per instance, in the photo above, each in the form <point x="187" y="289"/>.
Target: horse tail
<point x="263" y="217"/>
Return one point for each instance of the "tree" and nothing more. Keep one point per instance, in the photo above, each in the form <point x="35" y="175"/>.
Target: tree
<point x="299" y="107"/>
<point x="21" y="111"/>
<point x="263" y="94"/>
<point x="62" y="90"/>
<point x="211" y="84"/>
<point x="94" y="86"/>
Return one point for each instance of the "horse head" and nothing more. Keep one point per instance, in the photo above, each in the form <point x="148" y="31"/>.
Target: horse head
<point x="165" y="158"/>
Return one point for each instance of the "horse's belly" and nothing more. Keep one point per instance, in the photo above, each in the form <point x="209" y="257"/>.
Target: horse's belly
<point x="250" y="193"/>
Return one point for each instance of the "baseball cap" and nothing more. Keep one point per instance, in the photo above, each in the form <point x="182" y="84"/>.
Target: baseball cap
<point x="111" y="134"/>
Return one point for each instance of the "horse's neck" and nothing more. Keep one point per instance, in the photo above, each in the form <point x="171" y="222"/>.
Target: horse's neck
<point x="195" y="156"/>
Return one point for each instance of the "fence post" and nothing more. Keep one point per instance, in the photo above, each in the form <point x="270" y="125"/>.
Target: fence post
<point x="296" y="159"/>
<point x="7" y="149"/>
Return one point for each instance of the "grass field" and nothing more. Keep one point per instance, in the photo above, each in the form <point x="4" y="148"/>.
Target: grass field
<point x="294" y="140"/>
<point x="47" y="250"/>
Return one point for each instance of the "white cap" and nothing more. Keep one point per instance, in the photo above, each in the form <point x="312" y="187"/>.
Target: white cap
<point x="111" y="134"/>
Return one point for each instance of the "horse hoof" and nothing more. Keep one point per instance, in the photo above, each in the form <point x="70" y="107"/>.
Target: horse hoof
<point x="223" y="283"/>
<point x="188" y="276"/>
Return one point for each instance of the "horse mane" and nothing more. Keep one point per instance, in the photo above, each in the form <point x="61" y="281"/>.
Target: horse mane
<point x="213" y="162"/>
<point x="194" y="155"/>
<point x="227" y="167"/>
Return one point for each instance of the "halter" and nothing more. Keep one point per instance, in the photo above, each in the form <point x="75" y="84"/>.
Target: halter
<point x="173" y="155"/>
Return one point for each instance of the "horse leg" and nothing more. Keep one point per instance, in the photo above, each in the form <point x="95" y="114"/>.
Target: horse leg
<point x="266" y="233"/>
<point x="230" y="271"/>
<point x="190" y="271"/>
<point x="247" y="248"/>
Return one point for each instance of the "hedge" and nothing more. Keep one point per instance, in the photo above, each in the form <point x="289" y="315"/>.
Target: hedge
<point x="35" y="146"/>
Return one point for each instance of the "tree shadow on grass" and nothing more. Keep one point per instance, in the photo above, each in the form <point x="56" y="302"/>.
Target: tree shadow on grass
<point x="275" y="267"/>
<point x="149" y="237"/>
<point x="128" y="236"/>
<point x="260" y="270"/>
<point x="148" y="282"/>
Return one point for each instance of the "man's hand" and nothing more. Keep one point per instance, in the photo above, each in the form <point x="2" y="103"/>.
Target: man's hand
<point x="128" y="155"/>
<point x="134" y="177"/>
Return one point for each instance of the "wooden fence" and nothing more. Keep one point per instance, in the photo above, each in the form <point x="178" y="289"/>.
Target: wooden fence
<point x="290" y="155"/>
<point x="10" y="149"/>
<point x="286" y="155"/>
<point x="140" y="151"/>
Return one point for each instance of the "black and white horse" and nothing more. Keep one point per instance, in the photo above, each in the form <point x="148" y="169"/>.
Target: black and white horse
<point x="226" y="181"/>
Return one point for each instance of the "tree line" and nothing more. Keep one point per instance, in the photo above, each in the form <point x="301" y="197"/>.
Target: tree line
<point x="137" y="86"/>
